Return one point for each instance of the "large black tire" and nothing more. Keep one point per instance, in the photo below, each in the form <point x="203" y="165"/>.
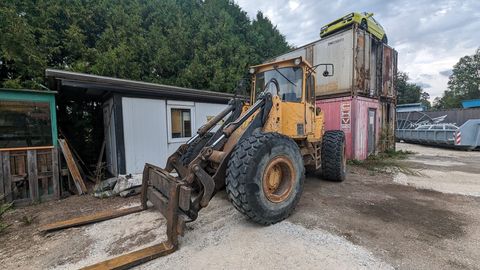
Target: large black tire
<point x="194" y="149"/>
<point x="334" y="164"/>
<point x="247" y="171"/>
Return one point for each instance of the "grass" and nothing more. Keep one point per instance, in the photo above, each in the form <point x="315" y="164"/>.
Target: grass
<point x="28" y="220"/>
<point x="386" y="162"/>
<point x="4" y="207"/>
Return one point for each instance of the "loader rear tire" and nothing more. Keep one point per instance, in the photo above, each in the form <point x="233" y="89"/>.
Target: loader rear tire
<point x="334" y="163"/>
<point x="265" y="176"/>
<point x="194" y="149"/>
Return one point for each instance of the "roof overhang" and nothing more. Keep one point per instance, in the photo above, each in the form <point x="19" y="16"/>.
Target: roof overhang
<point x="98" y="86"/>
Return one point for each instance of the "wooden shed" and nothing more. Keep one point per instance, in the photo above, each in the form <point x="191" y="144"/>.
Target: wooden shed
<point x="28" y="146"/>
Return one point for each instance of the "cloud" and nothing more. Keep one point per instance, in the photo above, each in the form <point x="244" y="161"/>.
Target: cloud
<point x="446" y="73"/>
<point x="430" y="36"/>
<point x="423" y="85"/>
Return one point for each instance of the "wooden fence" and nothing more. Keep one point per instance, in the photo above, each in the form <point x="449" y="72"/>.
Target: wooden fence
<point x="29" y="175"/>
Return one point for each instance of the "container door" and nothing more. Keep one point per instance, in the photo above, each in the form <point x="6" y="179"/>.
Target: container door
<point x="371" y="131"/>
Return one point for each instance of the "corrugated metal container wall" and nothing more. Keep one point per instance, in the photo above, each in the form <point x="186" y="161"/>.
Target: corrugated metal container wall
<point x="362" y="65"/>
<point x="337" y="50"/>
<point x="389" y="69"/>
<point x="359" y="118"/>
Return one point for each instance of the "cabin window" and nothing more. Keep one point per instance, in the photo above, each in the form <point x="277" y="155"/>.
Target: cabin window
<point x="25" y="124"/>
<point x="181" y="123"/>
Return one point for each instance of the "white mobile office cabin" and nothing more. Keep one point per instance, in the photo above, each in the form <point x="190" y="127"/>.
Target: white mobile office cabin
<point x="143" y="122"/>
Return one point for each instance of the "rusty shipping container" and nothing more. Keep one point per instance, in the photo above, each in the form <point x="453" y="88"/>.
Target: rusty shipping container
<point x="363" y="65"/>
<point x="360" y="96"/>
<point x="368" y="123"/>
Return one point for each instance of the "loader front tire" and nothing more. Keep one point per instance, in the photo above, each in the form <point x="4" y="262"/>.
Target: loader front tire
<point x="334" y="163"/>
<point x="265" y="176"/>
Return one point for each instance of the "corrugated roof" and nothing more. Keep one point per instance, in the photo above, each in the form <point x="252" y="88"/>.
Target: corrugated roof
<point x="131" y="87"/>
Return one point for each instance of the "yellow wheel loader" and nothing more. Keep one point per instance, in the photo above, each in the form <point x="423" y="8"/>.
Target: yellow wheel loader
<point x="259" y="155"/>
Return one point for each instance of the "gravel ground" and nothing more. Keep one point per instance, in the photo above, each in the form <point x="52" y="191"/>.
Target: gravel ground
<point x="367" y="222"/>
<point x="444" y="170"/>
<point x="223" y="239"/>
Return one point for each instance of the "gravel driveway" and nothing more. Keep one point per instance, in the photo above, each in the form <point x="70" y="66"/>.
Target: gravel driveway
<point x="367" y="222"/>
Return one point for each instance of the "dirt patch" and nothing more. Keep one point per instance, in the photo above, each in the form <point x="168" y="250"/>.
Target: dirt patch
<point x="409" y="228"/>
<point x="23" y="247"/>
<point x="417" y="214"/>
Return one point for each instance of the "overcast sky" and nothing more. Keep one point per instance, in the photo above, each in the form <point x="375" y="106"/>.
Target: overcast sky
<point x="429" y="35"/>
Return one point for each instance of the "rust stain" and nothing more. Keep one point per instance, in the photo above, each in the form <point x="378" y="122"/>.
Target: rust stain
<point x="387" y="71"/>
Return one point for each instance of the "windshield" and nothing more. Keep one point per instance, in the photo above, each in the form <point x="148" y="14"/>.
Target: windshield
<point x="290" y="89"/>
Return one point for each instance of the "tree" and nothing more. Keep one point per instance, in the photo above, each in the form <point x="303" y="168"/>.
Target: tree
<point x="409" y="92"/>
<point x="201" y="44"/>
<point x="463" y="84"/>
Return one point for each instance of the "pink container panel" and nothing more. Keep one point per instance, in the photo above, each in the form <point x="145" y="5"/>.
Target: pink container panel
<point x="361" y="106"/>
<point x="337" y="114"/>
<point x="350" y="114"/>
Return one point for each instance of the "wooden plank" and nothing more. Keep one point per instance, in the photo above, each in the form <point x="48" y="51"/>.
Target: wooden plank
<point x="2" y="187"/>
<point x="21" y="167"/>
<point x="84" y="220"/>
<point x="55" y="174"/>
<point x="7" y="176"/>
<point x="135" y="258"/>
<point x="32" y="174"/>
<point x="72" y="167"/>
<point x="25" y="148"/>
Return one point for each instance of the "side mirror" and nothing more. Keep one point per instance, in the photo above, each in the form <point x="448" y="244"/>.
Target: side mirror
<point x="328" y="71"/>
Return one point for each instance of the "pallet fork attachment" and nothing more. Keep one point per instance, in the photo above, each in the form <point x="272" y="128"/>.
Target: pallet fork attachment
<point x="157" y="181"/>
<point x="155" y="176"/>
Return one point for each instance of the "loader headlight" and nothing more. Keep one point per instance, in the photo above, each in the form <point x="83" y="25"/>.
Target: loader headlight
<point x="252" y="70"/>
<point x="297" y="61"/>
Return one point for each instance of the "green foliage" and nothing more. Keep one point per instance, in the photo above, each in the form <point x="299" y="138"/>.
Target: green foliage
<point x="201" y="44"/>
<point x="463" y="84"/>
<point x="408" y="92"/>
<point x="386" y="162"/>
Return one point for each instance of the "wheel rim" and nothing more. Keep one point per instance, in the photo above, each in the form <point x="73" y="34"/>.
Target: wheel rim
<point x="278" y="179"/>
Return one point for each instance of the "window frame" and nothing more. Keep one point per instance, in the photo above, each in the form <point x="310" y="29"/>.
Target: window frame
<point x="185" y="106"/>
<point x="30" y="104"/>
<point x="302" y="97"/>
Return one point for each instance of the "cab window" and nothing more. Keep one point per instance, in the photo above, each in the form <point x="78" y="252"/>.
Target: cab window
<point x="289" y="81"/>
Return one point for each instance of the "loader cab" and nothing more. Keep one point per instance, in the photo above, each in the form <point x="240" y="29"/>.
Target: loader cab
<point x="292" y="85"/>
<point x="291" y="76"/>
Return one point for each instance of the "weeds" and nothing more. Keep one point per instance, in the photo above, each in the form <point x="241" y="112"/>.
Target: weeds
<point x="386" y="162"/>
<point x="28" y="220"/>
<point x="3" y="209"/>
